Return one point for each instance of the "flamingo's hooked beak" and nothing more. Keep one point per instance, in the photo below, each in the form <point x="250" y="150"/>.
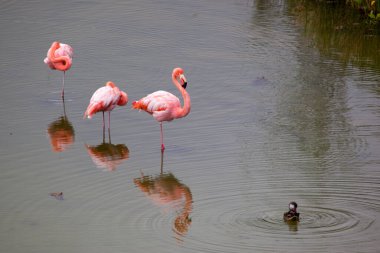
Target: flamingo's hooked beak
<point x="183" y="80"/>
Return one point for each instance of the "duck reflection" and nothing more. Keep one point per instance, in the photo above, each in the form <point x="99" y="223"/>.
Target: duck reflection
<point x="293" y="226"/>
<point x="61" y="132"/>
<point x="168" y="193"/>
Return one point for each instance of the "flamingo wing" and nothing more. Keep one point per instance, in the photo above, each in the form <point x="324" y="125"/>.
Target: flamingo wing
<point x="159" y="101"/>
<point x="64" y="50"/>
<point x="161" y="104"/>
<point x="104" y="99"/>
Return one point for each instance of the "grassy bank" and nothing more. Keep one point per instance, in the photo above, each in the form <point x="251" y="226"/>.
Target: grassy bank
<point x="339" y="31"/>
<point x="368" y="8"/>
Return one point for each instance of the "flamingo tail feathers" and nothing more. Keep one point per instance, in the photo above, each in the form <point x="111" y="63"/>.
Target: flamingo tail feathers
<point x="92" y="109"/>
<point x="138" y="105"/>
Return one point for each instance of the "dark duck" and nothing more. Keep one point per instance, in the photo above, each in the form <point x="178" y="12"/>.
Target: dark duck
<point x="292" y="214"/>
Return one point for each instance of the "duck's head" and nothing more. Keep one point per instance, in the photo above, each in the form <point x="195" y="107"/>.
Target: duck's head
<point x="293" y="206"/>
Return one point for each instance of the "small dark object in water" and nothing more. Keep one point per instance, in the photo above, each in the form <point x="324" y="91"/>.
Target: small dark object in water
<point x="260" y="81"/>
<point x="292" y="214"/>
<point x="57" y="195"/>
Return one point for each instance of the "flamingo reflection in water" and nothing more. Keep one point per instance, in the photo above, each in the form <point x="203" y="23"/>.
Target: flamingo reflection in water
<point x="61" y="132"/>
<point x="168" y="193"/>
<point x="108" y="155"/>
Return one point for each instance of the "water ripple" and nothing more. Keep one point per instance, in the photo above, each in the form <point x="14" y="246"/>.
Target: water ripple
<point x="240" y="227"/>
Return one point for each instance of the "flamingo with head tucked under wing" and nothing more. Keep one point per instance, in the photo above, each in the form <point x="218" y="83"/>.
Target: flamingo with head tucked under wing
<point x="105" y="99"/>
<point x="164" y="106"/>
<point x="59" y="57"/>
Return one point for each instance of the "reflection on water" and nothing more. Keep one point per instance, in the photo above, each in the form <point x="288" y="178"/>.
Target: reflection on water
<point x="168" y="193"/>
<point x="278" y="115"/>
<point x="293" y="226"/>
<point x="108" y="155"/>
<point x="61" y="133"/>
<point x="339" y="32"/>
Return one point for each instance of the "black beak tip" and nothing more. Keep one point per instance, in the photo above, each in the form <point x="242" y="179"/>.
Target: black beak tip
<point x="184" y="85"/>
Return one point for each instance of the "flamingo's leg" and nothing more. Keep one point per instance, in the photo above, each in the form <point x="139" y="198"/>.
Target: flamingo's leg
<point x="109" y="126"/>
<point x="104" y="127"/>
<point x="63" y="86"/>
<point x="162" y="139"/>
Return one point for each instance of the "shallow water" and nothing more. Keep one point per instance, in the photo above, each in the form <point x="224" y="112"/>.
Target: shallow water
<point x="277" y="115"/>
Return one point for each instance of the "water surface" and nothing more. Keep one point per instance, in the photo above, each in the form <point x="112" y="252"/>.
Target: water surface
<point x="276" y="116"/>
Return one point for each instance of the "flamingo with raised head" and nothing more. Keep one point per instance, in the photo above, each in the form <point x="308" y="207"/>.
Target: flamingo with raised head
<point x="105" y="99"/>
<point x="164" y="106"/>
<point x="59" y="57"/>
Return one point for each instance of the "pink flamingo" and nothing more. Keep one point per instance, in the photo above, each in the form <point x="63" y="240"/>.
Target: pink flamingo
<point x="164" y="106"/>
<point x="105" y="99"/>
<point x="59" y="57"/>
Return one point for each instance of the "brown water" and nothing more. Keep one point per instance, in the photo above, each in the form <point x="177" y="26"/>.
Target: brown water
<point x="282" y="109"/>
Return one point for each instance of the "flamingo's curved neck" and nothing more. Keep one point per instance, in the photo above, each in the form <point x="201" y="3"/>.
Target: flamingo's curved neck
<point x="186" y="98"/>
<point x="188" y="200"/>
<point x="62" y="63"/>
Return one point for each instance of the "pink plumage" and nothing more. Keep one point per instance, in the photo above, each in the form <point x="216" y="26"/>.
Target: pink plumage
<point x="164" y="106"/>
<point x="105" y="99"/>
<point x="59" y="57"/>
